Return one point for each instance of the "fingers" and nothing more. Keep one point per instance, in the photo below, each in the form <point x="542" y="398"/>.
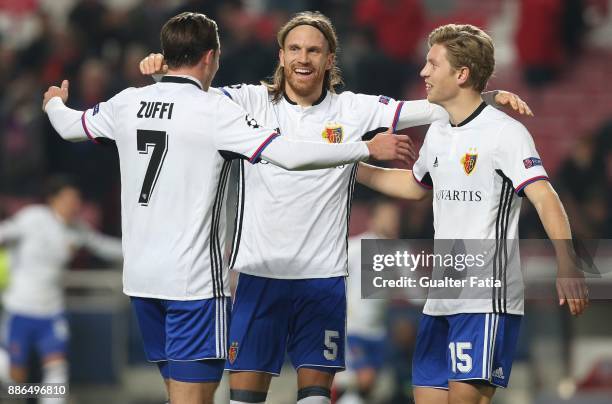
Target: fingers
<point x="516" y="103"/>
<point x="523" y="108"/>
<point x="513" y="103"/>
<point x="152" y="64"/>
<point x="526" y="108"/>
<point x="560" y="294"/>
<point x="405" y="144"/>
<point x="158" y="61"/>
<point x="573" y="306"/>
<point x="406" y="148"/>
<point x="393" y="147"/>
<point x="404" y="154"/>
<point x="573" y="292"/>
<point x="65" y="85"/>
<point x="50" y="93"/>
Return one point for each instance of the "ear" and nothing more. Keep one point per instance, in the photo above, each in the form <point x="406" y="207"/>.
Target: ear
<point x="209" y="57"/>
<point x="281" y="54"/>
<point x="331" y="57"/>
<point x="463" y="74"/>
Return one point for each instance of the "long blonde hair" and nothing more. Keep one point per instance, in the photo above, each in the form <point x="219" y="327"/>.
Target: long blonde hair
<point x="276" y="85"/>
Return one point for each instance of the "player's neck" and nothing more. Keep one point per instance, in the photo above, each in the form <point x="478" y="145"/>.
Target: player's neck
<point x="303" y="101"/>
<point x="195" y="73"/>
<point x="462" y="106"/>
<point x="60" y="213"/>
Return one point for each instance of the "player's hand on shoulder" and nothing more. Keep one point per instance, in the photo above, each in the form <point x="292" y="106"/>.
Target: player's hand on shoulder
<point x="389" y="146"/>
<point x="572" y="289"/>
<point x="506" y="98"/>
<point x="55" y="91"/>
<point x="153" y="64"/>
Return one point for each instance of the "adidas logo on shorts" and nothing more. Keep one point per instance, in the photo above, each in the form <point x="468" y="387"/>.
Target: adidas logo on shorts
<point x="498" y="373"/>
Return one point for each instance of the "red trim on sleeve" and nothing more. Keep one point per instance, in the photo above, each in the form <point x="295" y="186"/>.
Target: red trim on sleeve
<point x="261" y="148"/>
<point x="93" y="139"/>
<point x="529" y="181"/>
<point x="421" y="183"/>
<point x="396" y="116"/>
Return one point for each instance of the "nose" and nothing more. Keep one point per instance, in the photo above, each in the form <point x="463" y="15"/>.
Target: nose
<point x="424" y="72"/>
<point x="303" y="56"/>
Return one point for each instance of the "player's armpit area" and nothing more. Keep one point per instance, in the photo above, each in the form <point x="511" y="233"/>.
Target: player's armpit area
<point x="396" y="183"/>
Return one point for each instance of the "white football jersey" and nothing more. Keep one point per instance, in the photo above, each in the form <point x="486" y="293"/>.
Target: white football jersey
<point x="171" y="137"/>
<point x="40" y="245"/>
<point x="365" y="317"/>
<point x="294" y="225"/>
<point x="478" y="171"/>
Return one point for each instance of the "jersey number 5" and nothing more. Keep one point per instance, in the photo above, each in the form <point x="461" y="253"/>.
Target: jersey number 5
<point x="331" y="347"/>
<point x="159" y="141"/>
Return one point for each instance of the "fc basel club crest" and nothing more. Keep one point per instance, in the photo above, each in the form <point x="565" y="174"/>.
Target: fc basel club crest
<point x="333" y="133"/>
<point x="233" y="352"/>
<point x="468" y="161"/>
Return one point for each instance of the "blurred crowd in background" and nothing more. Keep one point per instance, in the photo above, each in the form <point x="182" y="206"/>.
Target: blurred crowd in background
<point x="556" y="54"/>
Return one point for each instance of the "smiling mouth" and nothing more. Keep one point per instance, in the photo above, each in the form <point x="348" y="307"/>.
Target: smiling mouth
<point x="303" y="72"/>
<point x="428" y="86"/>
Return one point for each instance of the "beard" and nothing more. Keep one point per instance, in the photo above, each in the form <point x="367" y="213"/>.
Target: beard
<point x="304" y="86"/>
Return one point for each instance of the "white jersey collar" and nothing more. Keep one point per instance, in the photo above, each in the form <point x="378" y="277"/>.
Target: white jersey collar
<point x="180" y="78"/>
<point x="472" y="116"/>
<point x="317" y="102"/>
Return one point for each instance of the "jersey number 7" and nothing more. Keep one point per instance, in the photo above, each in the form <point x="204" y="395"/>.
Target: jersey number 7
<point x="159" y="141"/>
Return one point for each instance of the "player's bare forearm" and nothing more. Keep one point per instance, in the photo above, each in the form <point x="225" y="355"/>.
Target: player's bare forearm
<point x="395" y="183"/>
<point x="554" y="219"/>
<point x="571" y="286"/>
<point x="550" y="210"/>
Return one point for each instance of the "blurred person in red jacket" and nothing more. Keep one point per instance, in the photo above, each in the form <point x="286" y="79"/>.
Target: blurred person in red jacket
<point x="398" y="27"/>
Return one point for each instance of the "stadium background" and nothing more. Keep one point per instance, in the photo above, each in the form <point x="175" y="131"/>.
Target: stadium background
<point x="556" y="54"/>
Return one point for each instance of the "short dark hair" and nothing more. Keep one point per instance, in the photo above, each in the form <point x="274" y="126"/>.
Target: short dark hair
<point x="56" y="184"/>
<point x="186" y="37"/>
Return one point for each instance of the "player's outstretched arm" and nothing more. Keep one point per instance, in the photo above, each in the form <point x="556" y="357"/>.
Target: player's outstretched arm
<point x="506" y="99"/>
<point x="422" y="112"/>
<point x="571" y="286"/>
<point x="66" y="121"/>
<point x="106" y="247"/>
<point x="298" y="155"/>
<point x="10" y="231"/>
<point x="393" y="182"/>
<point x="415" y="113"/>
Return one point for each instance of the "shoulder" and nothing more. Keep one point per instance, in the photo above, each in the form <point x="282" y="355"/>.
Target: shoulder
<point x="34" y="213"/>
<point x="360" y="105"/>
<point x="243" y="90"/>
<point x="128" y="94"/>
<point x="505" y="127"/>
<point x="437" y="128"/>
<point x="351" y="97"/>
<point x="495" y="118"/>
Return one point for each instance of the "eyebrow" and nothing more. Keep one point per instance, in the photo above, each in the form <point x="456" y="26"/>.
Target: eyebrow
<point x="311" y="47"/>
